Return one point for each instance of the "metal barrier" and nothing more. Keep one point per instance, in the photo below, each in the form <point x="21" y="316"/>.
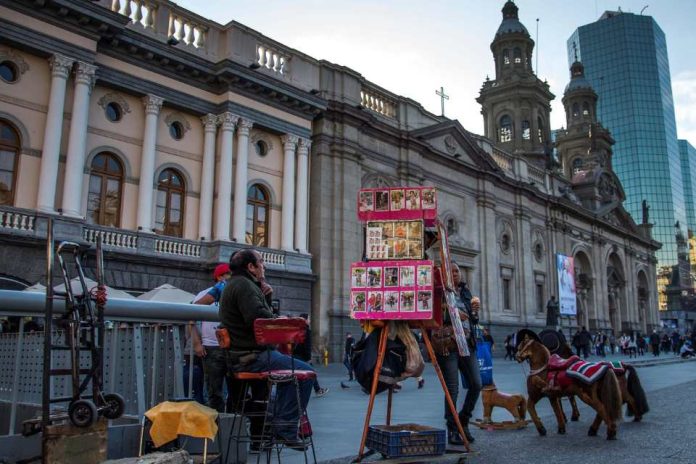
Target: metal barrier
<point x="143" y="353"/>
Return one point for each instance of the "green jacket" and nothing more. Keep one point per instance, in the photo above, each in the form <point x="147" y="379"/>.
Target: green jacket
<point x="240" y="304"/>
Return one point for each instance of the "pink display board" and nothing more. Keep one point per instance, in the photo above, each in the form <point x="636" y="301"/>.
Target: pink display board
<point x="392" y="290"/>
<point x="398" y="203"/>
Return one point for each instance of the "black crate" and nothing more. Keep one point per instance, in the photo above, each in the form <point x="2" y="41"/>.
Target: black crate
<point x="402" y="440"/>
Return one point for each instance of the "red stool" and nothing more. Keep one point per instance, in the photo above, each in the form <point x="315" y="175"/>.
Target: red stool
<point x="269" y="332"/>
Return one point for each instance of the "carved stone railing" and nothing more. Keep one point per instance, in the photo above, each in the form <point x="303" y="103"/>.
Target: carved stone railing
<point x="378" y="102"/>
<point x="17" y="220"/>
<point x="272" y="59"/>
<point x="503" y="160"/>
<point x="117" y="238"/>
<point x="275" y="258"/>
<point x="536" y="175"/>
<point x="178" y="247"/>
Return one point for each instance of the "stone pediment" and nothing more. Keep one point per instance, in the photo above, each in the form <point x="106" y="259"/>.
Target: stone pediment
<point x="451" y="140"/>
<point x="601" y="183"/>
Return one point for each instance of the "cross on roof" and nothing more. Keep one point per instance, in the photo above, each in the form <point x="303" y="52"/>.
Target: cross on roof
<point x="443" y="97"/>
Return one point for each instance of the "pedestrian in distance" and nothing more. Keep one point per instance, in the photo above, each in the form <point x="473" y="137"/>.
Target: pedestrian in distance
<point x="348" y="355"/>
<point x="655" y="343"/>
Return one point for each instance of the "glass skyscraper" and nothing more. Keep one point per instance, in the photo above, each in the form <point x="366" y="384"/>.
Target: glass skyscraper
<point x="687" y="153"/>
<point x="625" y="58"/>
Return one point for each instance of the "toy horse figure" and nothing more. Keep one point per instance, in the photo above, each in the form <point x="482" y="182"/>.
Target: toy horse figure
<point x="515" y="404"/>
<point x="600" y="391"/>
<point x="632" y="393"/>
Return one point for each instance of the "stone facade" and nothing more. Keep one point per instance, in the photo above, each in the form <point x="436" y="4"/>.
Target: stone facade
<point x="327" y="133"/>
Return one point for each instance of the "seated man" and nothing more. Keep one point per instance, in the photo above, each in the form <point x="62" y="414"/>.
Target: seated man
<point x="241" y="303"/>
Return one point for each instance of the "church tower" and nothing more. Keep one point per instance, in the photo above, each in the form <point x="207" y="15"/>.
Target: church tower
<point x="516" y="105"/>
<point x="585" y="144"/>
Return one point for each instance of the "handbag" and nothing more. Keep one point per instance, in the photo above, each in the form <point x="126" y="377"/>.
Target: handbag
<point x="443" y="340"/>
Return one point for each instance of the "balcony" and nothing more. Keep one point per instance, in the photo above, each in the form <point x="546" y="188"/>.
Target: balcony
<point x="30" y="226"/>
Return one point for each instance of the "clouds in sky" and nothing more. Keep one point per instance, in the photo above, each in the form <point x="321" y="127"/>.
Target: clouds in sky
<point x="684" y="92"/>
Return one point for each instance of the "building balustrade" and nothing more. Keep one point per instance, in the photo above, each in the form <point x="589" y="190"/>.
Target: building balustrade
<point x="503" y="160"/>
<point x="377" y="102"/>
<point x="536" y="175"/>
<point x="110" y="237"/>
<point x="177" y="247"/>
<point x="274" y="60"/>
<point x="17" y="220"/>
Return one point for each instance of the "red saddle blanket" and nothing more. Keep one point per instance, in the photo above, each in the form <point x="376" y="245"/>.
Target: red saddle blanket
<point x="561" y="371"/>
<point x="556" y="363"/>
<point x="588" y="372"/>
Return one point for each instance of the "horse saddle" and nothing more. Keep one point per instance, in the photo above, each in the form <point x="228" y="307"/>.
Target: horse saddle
<point x="556" y="363"/>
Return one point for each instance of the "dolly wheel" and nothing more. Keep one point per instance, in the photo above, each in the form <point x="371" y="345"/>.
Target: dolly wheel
<point x="82" y="413"/>
<point x="114" y="406"/>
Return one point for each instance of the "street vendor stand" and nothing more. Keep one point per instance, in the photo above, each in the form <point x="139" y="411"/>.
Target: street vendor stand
<point x="396" y="281"/>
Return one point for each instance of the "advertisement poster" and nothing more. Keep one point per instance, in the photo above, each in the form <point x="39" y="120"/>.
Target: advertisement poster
<point x="566" y="285"/>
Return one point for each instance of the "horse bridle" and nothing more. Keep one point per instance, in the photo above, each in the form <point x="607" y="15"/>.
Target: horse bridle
<point x="535" y="371"/>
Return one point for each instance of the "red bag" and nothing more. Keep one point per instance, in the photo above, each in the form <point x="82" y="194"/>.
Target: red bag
<point x="305" y="427"/>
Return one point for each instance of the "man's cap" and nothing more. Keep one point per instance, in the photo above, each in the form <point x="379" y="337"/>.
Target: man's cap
<point x="221" y="269"/>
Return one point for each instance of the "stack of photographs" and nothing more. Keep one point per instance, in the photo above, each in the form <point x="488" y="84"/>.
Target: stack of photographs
<point x="388" y="240"/>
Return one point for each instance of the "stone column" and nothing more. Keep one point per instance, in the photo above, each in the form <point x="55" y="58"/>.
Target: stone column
<point x="153" y="104"/>
<point x="50" y="152"/>
<point x="77" y="140"/>
<point x="227" y="121"/>
<point x="288" y="208"/>
<point x="302" y="195"/>
<point x="205" y="208"/>
<point x="240" y="181"/>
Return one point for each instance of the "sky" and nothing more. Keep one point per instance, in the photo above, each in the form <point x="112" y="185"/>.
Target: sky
<point x="413" y="47"/>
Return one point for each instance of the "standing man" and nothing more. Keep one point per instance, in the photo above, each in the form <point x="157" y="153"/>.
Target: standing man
<point x="584" y="341"/>
<point x="453" y="365"/>
<point x="206" y="345"/>
<point x="655" y="343"/>
<point x="348" y="355"/>
<point x="552" y="313"/>
<point x="243" y="302"/>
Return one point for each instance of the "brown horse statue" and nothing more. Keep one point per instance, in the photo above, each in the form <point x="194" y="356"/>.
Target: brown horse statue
<point x="603" y="395"/>
<point x="632" y="392"/>
<point x="515" y="404"/>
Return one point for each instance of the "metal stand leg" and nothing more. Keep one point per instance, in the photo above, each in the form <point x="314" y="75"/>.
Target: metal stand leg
<point x="375" y="379"/>
<point x="450" y="403"/>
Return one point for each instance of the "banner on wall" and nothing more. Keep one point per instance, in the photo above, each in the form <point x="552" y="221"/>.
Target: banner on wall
<point x="566" y="285"/>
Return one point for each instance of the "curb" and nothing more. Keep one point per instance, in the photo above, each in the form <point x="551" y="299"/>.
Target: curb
<point x="656" y="362"/>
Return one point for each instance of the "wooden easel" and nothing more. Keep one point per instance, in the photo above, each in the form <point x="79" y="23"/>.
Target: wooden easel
<point x="375" y="379"/>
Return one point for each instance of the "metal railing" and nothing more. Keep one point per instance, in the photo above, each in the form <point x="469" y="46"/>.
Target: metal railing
<point x="144" y="353"/>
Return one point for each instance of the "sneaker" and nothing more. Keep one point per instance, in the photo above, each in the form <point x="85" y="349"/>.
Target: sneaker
<point x="321" y="392"/>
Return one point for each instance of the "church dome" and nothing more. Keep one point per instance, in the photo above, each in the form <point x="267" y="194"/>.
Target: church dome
<point x="511" y="22"/>
<point x="577" y="79"/>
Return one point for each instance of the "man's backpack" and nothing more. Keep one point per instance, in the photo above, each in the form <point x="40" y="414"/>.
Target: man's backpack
<point x="364" y="361"/>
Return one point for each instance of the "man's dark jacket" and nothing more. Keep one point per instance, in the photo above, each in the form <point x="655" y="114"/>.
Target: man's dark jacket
<point x="241" y="303"/>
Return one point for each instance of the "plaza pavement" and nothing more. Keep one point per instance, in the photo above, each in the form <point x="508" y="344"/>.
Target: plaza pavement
<point x="666" y="434"/>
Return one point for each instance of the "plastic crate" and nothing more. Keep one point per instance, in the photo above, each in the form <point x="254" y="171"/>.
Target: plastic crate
<point x="403" y="440"/>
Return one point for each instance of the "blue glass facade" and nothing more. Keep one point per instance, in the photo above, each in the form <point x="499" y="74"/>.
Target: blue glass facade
<point x="625" y="58"/>
<point x="687" y="153"/>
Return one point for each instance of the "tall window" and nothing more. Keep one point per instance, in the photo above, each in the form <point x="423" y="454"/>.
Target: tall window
<point x="526" y="131"/>
<point x="9" y="154"/>
<point x="577" y="165"/>
<point x="540" y="297"/>
<point x="171" y="194"/>
<point x="576" y="110"/>
<point x="585" y="109"/>
<point x="517" y="54"/>
<point x="506" y="293"/>
<point x="258" y="209"/>
<point x="506" y="56"/>
<point x="505" y="134"/>
<point x="540" y="130"/>
<point x="105" y="190"/>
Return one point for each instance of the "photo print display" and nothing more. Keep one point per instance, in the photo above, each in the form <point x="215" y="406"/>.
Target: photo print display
<point x="374" y="277"/>
<point x="382" y="200"/>
<point x="407" y="301"/>
<point x="397" y="200"/>
<point x="425" y="276"/>
<point x="407" y="276"/>
<point x="367" y="201"/>
<point x="357" y="302"/>
<point x="398" y="203"/>
<point x="391" y="276"/>
<point x="425" y="300"/>
<point x="386" y="240"/>
<point x="428" y="195"/>
<point x="374" y="302"/>
<point x="391" y="301"/>
<point x="358" y="277"/>
<point x="413" y="199"/>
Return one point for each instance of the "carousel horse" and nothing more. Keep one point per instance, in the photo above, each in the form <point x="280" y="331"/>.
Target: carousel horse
<point x="515" y="404"/>
<point x="547" y="379"/>
<point x="632" y="393"/>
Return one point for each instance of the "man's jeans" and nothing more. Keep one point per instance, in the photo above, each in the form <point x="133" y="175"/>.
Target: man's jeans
<point x="215" y="366"/>
<point x="346" y="362"/>
<point x="285" y="408"/>
<point x="452" y="365"/>
<point x="197" y="379"/>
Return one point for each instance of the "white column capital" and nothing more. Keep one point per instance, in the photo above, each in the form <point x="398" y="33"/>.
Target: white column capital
<point x="228" y="121"/>
<point x="153" y="104"/>
<point x="243" y="126"/>
<point x="84" y="74"/>
<point x="304" y="146"/>
<point x="289" y="140"/>
<point x="60" y="65"/>
<point x="210" y="122"/>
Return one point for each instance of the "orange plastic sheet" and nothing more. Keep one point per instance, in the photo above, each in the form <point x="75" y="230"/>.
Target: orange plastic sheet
<point x="170" y="419"/>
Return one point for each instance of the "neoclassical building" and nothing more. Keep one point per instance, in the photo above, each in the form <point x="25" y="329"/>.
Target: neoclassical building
<point x="179" y="140"/>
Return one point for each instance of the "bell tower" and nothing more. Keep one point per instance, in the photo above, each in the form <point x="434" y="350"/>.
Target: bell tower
<point x="516" y="104"/>
<point x="585" y="144"/>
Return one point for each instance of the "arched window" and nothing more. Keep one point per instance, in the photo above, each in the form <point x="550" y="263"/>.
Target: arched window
<point x="505" y="132"/>
<point x="517" y="54"/>
<point x="577" y="165"/>
<point x="506" y="56"/>
<point x="526" y="130"/>
<point x="171" y="195"/>
<point x="9" y="154"/>
<point x="585" y="109"/>
<point x="258" y="210"/>
<point x="576" y="110"/>
<point x="105" y="190"/>
<point x="540" y="130"/>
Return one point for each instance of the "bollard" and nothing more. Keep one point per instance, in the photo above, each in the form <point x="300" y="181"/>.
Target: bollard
<point x="326" y="357"/>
